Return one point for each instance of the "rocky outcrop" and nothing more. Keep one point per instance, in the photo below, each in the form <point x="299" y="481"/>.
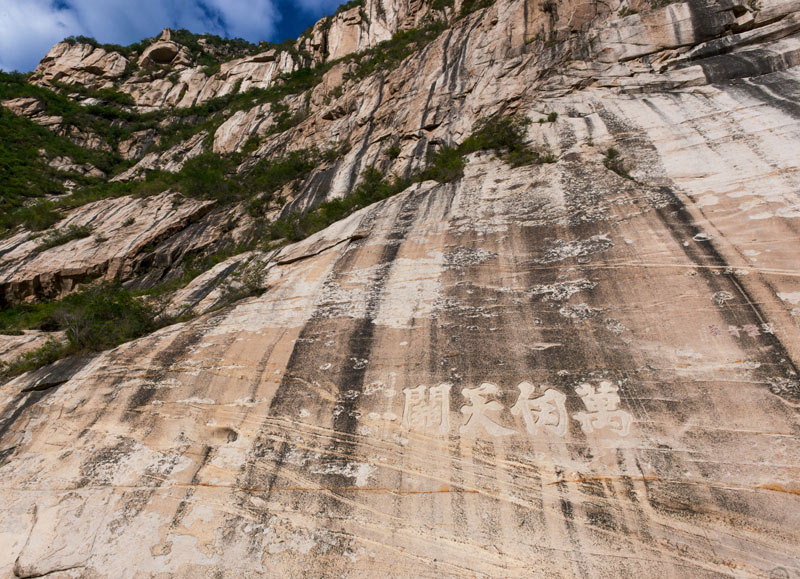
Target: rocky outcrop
<point x="170" y="160"/>
<point x="120" y="230"/>
<point x="138" y="144"/>
<point x="363" y="27"/>
<point x="193" y="86"/>
<point x="81" y="64"/>
<point x="330" y="39"/>
<point x="580" y="368"/>
<point x="13" y="346"/>
<point x="34" y="109"/>
<point x="67" y="165"/>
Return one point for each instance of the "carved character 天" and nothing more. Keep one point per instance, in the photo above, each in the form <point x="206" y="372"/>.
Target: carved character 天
<point x="476" y="411"/>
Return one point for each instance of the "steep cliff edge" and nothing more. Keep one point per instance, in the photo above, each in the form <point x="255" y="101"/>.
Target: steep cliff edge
<point x="415" y="335"/>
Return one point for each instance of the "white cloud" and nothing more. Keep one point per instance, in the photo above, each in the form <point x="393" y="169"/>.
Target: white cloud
<point x="28" y="28"/>
<point x="249" y="19"/>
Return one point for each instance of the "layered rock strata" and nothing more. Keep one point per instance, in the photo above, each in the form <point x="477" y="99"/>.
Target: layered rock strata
<point x="544" y="370"/>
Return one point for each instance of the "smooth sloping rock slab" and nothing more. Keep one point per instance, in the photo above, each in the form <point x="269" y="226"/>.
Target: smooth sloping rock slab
<point x="480" y="385"/>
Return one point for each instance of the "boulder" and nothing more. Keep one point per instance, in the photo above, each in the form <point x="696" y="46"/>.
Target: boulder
<point x="161" y="52"/>
<point x="81" y="64"/>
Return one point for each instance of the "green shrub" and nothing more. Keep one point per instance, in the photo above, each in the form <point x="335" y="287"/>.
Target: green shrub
<point x="442" y="4"/>
<point x="37" y="217"/>
<point x="507" y="136"/>
<point x="102" y="317"/>
<point x="388" y="54"/>
<point x="25" y="316"/>
<point x="470" y="6"/>
<point x="283" y="119"/>
<point x="445" y="165"/>
<point x="94" y="319"/>
<point x="269" y="175"/>
<point x="62" y="236"/>
<point x="205" y="176"/>
<point x="614" y="162"/>
<point x="114" y="97"/>
<point x="223" y="48"/>
<point x="50" y="352"/>
<point x="372" y="188"/>
<point x="529" y="156"/>
<point x="500" y="133"/>
<point x="24" y="172"/>
<point x="211" y="69"/>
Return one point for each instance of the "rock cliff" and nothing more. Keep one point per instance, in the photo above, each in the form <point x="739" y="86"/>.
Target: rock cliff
<point x="393" y="341"/>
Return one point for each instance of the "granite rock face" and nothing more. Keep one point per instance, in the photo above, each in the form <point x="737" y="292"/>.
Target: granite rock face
<point x="332" y="38"/>
<point x="120" y="230"/>
<point x="81" y="64"/>
<point x="546" y="370"/>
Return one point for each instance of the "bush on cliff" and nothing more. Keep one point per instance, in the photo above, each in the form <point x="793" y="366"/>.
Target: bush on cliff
<point x="104" y="316"/>
<point x="506" y="135"/>
<point x="613" y="161"/>
<point x="503" y="134"/>
<point x="61" y="236"/>
<point x="374" y="187"/>
<point x="95" y="318"/>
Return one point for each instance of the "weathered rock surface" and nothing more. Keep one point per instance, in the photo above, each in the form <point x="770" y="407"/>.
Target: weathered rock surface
<point x="13" y="346"/>
<point x="548" y="370"/>
<point x="120" y="229"/>
<point x="170" y="160"/>
<point x="81" y="64"/>
<point x="33" y="109"/>
<point x="234" y="133"/>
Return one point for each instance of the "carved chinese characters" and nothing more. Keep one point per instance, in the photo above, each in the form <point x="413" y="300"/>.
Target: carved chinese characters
<point x="476" y="411"/>
<point x="546" y="411"/>
<point x="602" y="406"/>
<point x="420" y="412"/>
<point x="543" y="410"/>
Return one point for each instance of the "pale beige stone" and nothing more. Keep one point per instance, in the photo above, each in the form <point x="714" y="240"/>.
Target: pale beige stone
<point x="546" y="370"/>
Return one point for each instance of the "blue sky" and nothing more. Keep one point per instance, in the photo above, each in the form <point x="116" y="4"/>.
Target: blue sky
<point x="28" y="28"/>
